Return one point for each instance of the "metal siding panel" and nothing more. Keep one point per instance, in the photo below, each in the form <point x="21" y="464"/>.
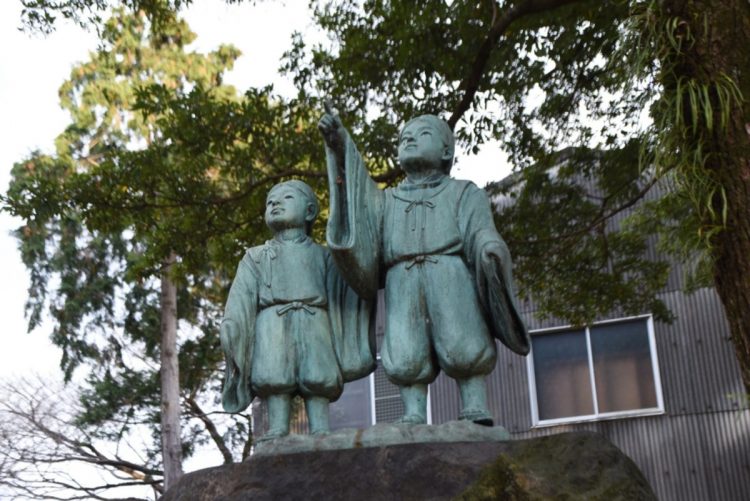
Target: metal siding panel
<point x="444" y="399"/>
<point x="684" y="457"/>
<point x="691" y="453"/>
<point x="675" y="346"/>
<point x="508" y="389"/>
<point x="698" y="450"/>
<point x="699" y="368"/>
<point x="727" y="451"/>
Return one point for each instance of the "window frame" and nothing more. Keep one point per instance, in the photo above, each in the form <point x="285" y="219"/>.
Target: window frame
<point x="596" y="416"/>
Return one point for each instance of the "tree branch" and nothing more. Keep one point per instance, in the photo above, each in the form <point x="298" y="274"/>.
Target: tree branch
<point x="470" y="83"/>
<point x="600" y="218"/>
<point x="39" y="439"/>
<point x="211" y="428"/>
<point x="250" y="438"/>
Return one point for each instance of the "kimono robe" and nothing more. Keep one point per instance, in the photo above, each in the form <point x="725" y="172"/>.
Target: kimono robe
<point x="291" y="325"/>
<point x="446" y="270"/>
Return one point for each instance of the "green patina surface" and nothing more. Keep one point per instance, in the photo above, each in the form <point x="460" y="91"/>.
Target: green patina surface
<point x="291" y="325"/>
<point x="432" y="243"/>
<point x="381" y="435"/>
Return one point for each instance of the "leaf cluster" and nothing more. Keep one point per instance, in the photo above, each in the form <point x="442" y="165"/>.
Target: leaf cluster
<point x="159" y="158"/>
<point x="551" y="82"/>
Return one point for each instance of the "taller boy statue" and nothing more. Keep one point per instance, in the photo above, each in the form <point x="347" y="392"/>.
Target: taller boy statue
<point x="433" y="242"/>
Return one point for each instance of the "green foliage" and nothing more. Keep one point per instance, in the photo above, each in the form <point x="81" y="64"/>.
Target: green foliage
<point x="556" y="90"/>
<point x="613" y="127"/>
<point x="575" y="74"/>
<point x="692" y="110"/>
<point x="41" y="15"/>
<point x="572" y="253"/>
<point x="77" y="228"/>
<point x="541" y="78"/>
<point x="159" y="157"/>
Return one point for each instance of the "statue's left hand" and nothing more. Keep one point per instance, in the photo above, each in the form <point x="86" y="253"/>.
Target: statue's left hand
<point x="331" y="127"/>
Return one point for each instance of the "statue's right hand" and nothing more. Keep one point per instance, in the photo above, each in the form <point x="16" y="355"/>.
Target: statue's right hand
<point x="331" y="127"/>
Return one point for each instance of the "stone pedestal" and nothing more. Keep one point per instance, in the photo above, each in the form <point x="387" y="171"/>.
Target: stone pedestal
<point x="578" y="465"/>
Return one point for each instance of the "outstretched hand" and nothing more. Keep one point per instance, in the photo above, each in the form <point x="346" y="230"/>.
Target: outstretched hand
<point x="331" y="127"/>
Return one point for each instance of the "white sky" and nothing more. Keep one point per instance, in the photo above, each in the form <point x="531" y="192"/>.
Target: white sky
<point x="32" y="68"/>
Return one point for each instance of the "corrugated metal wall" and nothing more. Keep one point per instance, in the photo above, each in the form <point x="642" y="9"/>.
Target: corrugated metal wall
<point x="698" y="450"/>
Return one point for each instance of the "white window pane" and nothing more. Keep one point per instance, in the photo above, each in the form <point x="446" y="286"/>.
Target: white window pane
<point x="622" y="366"/>
<point x="561" y="368"/>
<point x="352" y="409"/>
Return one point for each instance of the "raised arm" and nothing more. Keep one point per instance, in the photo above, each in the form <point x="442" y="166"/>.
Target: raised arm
<point x="354" y="231"/>
<point x="335" y="136"/>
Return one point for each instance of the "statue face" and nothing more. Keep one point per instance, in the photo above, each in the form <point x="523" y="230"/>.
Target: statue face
<point x="420" y="146"/>
<point x="286" y="207"/>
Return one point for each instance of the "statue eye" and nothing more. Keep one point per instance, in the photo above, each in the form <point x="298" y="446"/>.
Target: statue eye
<point x="288" y="197"/>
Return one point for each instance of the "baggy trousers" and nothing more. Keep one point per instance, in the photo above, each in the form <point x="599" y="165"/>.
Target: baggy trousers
<point x="294" y="354"/>
<point x="434" y="321"/>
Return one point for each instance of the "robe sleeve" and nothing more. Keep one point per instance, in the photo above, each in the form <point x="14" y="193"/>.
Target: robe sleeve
<point x="352" y="326"/>
<point x="489" y="257"/>
<point x="354" y="231"/>
<point x="237" y="337"/>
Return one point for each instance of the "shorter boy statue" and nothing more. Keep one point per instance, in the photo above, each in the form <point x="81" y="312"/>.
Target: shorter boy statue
<point x="447" y="272"/>
<point x="291" y="326"/>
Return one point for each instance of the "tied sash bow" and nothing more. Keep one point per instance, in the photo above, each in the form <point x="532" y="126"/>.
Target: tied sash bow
<point x="295" y="305"/>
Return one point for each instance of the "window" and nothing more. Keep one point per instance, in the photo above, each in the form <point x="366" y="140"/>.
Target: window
<point x="368" y="401"/>
<point x="352" y="409"/>
<point x="604" y="371"/>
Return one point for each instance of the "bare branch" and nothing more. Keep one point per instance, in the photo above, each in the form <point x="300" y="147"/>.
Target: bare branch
<point x="249" y="441"/>
<point x="196" y="410"/>
<point x="44" y="454"/>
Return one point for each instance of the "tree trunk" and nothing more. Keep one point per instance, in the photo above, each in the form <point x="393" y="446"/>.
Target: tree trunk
<point x="722" y="36"/>
<point x="170" y="380"/>
<point x="731" y="247"/>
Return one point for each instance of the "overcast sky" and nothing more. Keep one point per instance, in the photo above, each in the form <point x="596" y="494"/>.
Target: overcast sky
<point x="32" y="67"/>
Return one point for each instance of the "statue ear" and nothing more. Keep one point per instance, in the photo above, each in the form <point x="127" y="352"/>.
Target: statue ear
<point x="311" y="212"/>
<point x="446" y="153"/>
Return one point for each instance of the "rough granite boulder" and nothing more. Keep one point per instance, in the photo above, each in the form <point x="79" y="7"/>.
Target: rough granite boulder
<point x="567" y="466"/>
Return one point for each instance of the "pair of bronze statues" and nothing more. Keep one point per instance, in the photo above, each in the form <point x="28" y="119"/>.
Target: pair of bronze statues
<point x="299" y="317"/>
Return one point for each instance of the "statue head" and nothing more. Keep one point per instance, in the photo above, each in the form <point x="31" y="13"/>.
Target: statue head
<point x="291" y="204"/>
<point x="426" y="142"/>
